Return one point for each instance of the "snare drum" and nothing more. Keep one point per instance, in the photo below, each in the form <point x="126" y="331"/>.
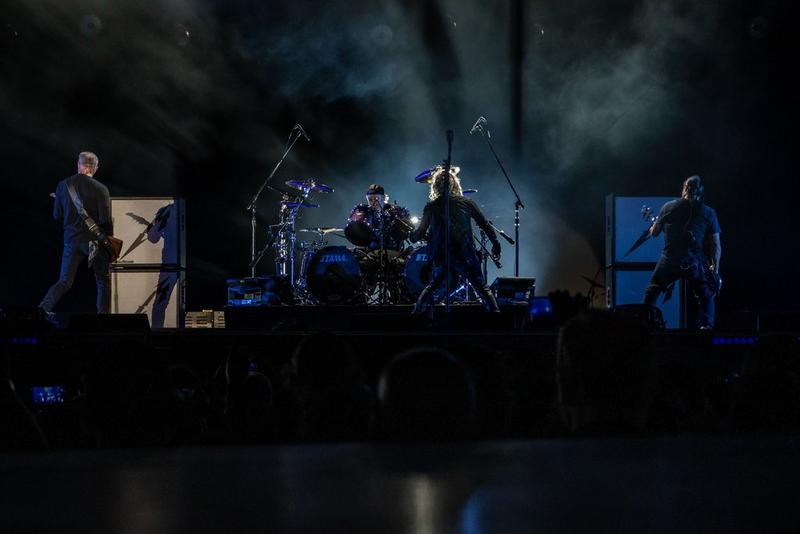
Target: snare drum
<point x="333" y="276"/>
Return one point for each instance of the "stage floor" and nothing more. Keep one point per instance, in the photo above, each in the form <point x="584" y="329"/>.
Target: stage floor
<point x="619" y="485"/>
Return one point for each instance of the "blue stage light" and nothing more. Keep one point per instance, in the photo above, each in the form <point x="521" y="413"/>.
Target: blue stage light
<point x="23" y="341"/>
<point x="541" y="307"/>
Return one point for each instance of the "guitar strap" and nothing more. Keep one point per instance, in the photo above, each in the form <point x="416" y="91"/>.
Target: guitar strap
<point x="90" y="223"/>
<point x="96" y="231"/>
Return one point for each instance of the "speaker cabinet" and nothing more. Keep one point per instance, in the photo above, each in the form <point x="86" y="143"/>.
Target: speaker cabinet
<point x="157" y="293"/>
<point x="152" y="230"/>
<point x="625" y="224"/>
<point x="626" y="286"/>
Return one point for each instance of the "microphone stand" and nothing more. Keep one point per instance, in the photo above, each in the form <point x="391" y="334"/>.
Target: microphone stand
<point x="484" y="256"/>
<point x="447" y="220"/>
<point x="517" y="204"/>
<point x="252" y="206"/>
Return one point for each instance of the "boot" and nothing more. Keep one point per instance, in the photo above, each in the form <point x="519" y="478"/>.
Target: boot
<point x="424" y="302"/>
<point x="488" y="300"/>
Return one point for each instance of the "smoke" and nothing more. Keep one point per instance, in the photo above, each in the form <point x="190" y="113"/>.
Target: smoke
<point x="616" y="88"/>
<point x="127" y="77"/>
<point x="332" y="56"/>
<point x="196" y="97"/>
<point x="605" y="91"/>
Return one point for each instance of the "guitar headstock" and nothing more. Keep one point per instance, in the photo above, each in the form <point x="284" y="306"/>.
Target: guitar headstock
<point x="647" y="214"/>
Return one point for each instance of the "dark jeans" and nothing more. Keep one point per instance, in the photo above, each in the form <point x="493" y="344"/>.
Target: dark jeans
<point x="668" y="271"/>
<point x="71" y="258"/>
<point x="466" y="263"/>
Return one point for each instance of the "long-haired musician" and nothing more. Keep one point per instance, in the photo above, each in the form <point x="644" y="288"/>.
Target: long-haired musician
<point x="463" y="255"/>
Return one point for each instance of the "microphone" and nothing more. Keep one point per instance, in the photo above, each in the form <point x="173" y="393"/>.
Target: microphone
<point x="505" y="236"/>
<point x="502" y="233"/>
<point x="478" y="125"/>
<point x="302" y="131"/>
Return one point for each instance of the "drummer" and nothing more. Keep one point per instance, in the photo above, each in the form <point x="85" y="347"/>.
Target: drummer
<point x="379" y="230"/>
<point x="389" y="224"/>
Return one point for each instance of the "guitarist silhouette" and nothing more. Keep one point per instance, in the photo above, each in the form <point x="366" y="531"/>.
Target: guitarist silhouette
<point x="686" y="223"/>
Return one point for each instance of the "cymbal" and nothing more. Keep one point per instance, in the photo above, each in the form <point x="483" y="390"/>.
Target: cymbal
<point x="297" y="204"/>
<point x="469" y="191"/>
<point x="310" y="185"/>
<point x="425" y="176"/>
<point x="321" y="231"/>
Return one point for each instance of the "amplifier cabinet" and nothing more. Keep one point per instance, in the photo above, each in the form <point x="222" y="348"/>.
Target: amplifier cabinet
<point x="625" y="224"/>
<point x="153" y="231"/>
<point x="627" y="285"/>
<point x="159" y="293"/>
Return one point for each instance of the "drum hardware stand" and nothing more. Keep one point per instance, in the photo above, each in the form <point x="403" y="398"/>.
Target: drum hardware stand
<point x="295" y="134"/>
<point x="286" y="232"/>
<point x="593" y="286"/>
<point x="464" y="293"/>
<point x="302" y="294"/>
<point x="382" y="281"/>
<point x="479" y="125"/>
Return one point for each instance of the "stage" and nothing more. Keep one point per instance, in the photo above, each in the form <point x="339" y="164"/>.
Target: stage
<point x="510" y="358"/>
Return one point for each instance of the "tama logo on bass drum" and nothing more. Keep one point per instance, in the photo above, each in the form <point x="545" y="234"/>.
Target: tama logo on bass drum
<point x="333" y="258"/>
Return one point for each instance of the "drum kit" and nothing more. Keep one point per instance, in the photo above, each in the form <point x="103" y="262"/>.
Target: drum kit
<point x="381" y="267"/>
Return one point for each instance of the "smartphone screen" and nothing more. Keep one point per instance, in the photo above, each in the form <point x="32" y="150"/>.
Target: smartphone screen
<point x="47" y="395"/>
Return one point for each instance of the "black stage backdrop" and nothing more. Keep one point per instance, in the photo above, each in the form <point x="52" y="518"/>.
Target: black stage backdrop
<point x="195" y="98"/>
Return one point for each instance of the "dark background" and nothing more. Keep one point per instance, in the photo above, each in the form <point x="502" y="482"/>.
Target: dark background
<point x="195" y="98"/>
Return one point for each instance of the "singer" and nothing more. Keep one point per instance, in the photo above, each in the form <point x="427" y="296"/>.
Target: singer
<point x="464" y="257"/>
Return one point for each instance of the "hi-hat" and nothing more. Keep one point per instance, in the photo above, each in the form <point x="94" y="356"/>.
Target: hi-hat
<point x="297" y="204"/>
<point x="309" y="185"/>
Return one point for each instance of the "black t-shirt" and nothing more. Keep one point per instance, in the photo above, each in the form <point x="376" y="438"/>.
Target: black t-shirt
<point x="462" y="209"/>
<point x="96" y="201"/>
<point x="685" y="225"/>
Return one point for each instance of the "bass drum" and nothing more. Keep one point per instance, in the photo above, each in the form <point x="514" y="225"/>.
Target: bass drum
<point x="418" y="274"/>
<point x="333" y="276"/>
